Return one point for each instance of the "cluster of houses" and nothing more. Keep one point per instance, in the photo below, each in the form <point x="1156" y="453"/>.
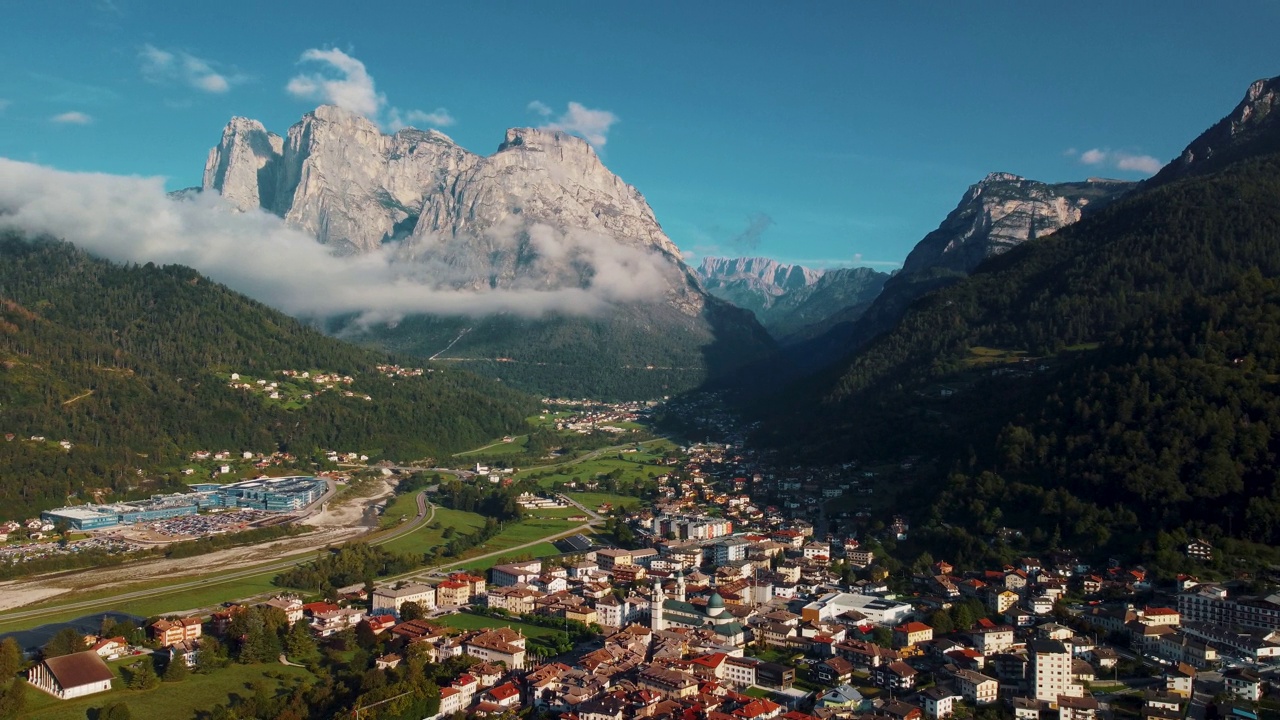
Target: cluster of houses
<point x="275" y="391"/>
<point x="596" y="416"/>
<point x="397" y="371"/>
<point x="31" y="529"/>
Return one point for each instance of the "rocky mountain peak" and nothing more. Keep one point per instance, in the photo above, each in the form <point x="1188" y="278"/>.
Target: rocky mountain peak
<point x="999" y="212"/>
<point x="1251" y="128"/>
<point x="244" y="163"/>
<point x="338" y="177"/>
<point x="537" y="139"/>
<point x="1000" y="177"/>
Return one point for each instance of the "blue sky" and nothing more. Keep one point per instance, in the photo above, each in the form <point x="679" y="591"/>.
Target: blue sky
<point x="839" y="132"/>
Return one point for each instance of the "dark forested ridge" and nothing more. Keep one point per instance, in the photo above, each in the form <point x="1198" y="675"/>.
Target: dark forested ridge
<point x="1117" y="378"/>
<point x="123" y="362"/>
<point x="636" y="352"/>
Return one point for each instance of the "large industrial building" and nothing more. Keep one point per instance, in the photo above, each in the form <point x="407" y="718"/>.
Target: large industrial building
<point x="283" y="494"/>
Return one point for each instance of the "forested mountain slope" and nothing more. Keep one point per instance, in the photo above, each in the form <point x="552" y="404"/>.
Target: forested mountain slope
<point x="1095" y="386"/>
<point x="131" y="365"/>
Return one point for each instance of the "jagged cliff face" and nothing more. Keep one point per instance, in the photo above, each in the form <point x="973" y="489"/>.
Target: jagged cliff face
<point x="1252" y="128"/>
<point x="544" y="212"/>
<point x="335" y="175"/>
<point x="1001" y="212"/>
<point x="245" y="165"/>
<point x="540" y="213"/>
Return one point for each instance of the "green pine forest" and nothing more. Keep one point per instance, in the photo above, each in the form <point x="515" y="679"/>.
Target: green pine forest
<point x="1089" y="389"/>
<point x="123" y="362"/>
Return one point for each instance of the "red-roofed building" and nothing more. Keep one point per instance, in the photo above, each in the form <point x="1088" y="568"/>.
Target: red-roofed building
<point x="452" y="593"/>
<point x="912" y="633"/>
<point x="110" y="647"/>
<point x="172" y="632"/>
<point x="505" y="695"/>
<point x="709" y="665"/>
<point x="1160" y="616"/>
<point x="315" y="608"/>
<point x="758" y="709"/>
<point x="379" y="623"/>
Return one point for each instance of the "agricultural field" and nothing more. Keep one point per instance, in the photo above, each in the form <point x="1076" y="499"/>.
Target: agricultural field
<point x="180" y="701"/>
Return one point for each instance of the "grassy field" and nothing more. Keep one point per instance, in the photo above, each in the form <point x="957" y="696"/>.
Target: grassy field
<point x="587" y="470"/>
<point x="466" y="621"/>
<point x="594" y="500"/>
<point x="402" y="508"/>
<point x="994" y="356"/>
<point x="540" y="550"/>
<point x="176" y="701"/>
<point x="431" y="535"/>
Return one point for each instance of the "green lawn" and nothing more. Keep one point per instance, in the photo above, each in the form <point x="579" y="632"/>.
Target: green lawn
<point x="594" y="500"/>
<point x="402" y="508"/>
<point x="515" y="535"/>
<point x="589" y="470"/>
<point x="540" y="550"/>
<point x="466" y="621"/>
<point x="176" y="701"/>
<point x="528" y="530"/>
<point x="431" y="535"/>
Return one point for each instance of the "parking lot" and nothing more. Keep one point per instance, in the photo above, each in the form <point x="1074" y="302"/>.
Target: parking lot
<point x="198" y="526"/>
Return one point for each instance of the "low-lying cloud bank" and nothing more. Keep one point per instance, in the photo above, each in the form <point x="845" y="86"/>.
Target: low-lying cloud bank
<point x="132" y="219"/>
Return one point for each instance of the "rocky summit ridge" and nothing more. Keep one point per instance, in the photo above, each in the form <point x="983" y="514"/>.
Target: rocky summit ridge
<point x="533" y="214"/>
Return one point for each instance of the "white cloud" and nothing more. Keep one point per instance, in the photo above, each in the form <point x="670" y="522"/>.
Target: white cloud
<point x="439" y="117"/>
<point x="1093" y="157"/>
<point x="164" y="66"/>
<point x="346" y="82"/>
<point x="1119" y="160"/>
<point x="592" y="125"/>
<point x="1138" y="163"/>
<point x="131" y="219"/>
<point x="74" y="117"/>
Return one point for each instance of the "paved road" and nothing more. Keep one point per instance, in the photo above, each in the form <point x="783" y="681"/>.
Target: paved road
<point x="595" y="516"/>
<point x="116" y="601"/>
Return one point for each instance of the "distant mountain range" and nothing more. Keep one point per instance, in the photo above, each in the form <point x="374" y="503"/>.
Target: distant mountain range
<point x="541" y="219"/>
<point x="791" y="300"/>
